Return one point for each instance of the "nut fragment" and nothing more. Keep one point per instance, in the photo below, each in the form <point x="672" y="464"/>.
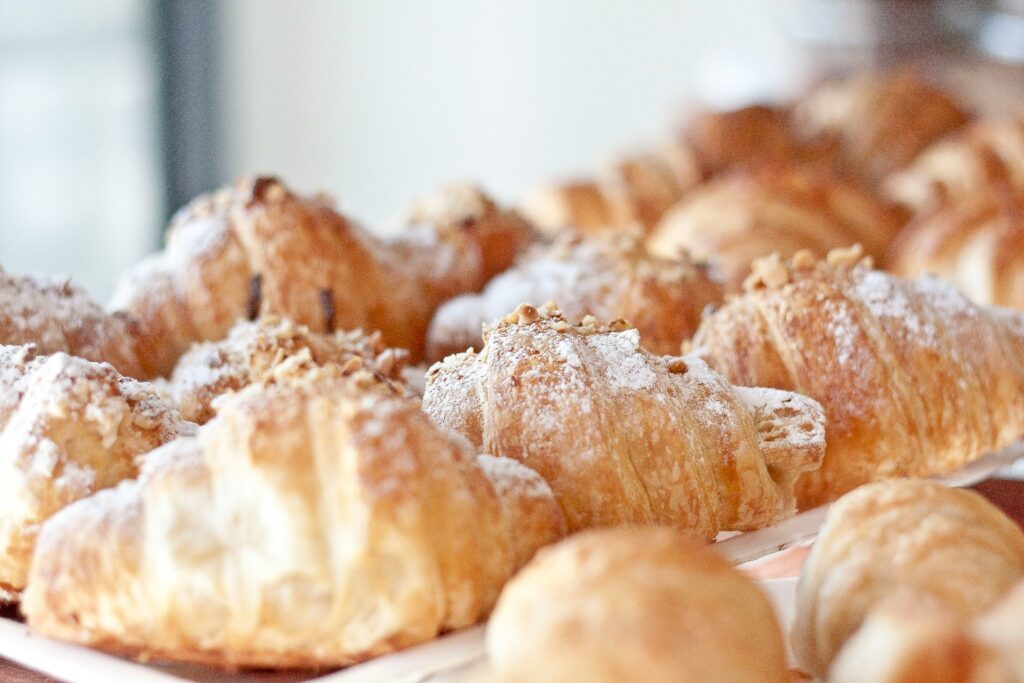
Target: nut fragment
<point x="678" y="366"/>
<point x="527" y="314"/>
<point x="843" y="258"/>
<point x="352" y="365"/>
<point x="803" y="260"/>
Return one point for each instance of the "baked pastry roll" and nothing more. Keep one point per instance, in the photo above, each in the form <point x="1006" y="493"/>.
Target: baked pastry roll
<point x="624" y="436"/>
<point x="315" y="522"/>
<point x="914" y="378"/>
<point x="640" y="604"/>
<point x="879" y="121"/>
<point x="258" y="248"/>
<point x="56" y="316"/>
<point x="988" y="154"/>
<point x="975" y="242"/>
<point x="736" y="219"/>
<point x="608" y="278"/>
<point x="902" y="540"/>
<point x="254" y="352"/>
<point x="68" y="427"/>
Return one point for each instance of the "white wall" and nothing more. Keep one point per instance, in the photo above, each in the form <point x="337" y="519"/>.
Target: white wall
<point x="379" y="101"/>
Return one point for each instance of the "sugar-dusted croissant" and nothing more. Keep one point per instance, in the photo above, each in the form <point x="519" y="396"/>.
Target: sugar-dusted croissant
<point x="896" y="540"/>
<point x="608" y="278"/>
<point x="56" y="316"/>
<point x="623" y="436"/>
<point x="68" y="427"/>
<point x="975" y="242"/>
<point x="733" y="220"/>
<point x="254" y="352"/>
<point x="634" y="191"/>
<point x="317" y="521"/>
<point x="987" y="154"/>
<point x="915" y="379"/>
<point x="257" y="247"/>
<point x="880" y="121"/>
<point x="640" y="604"/>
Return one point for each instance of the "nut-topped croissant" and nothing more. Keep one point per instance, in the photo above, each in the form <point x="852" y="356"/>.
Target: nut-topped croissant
<point x="975" y="243"/>
<point x="915" y="379"/>
<point x="255" y="351"/>
<point x="901" y="542"/>
<point x="608" y="278"/>
<point x="68" y="427"/>
<point x="624" y="436"/>
<point x="57" y="316"/>
<point x="258" y="248"/>
<point x="317" y="521"/>
<point x="987" y="154"/>
<point x="738" y="218"/>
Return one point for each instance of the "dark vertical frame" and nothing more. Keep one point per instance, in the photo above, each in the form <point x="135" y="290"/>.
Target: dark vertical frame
<point x="187" y="36"/>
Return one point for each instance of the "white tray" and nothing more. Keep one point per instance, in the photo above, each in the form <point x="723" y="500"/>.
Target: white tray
<point x="429" y="661"/>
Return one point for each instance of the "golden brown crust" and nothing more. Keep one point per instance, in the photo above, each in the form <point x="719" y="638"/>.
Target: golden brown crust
<point x="607" y="277"/>
<point x="734" y="220"/>
<point x="254" y="352"/>
<point x="623" y="436"/>
<point x="915" y="380"/>
<point x="57" y="316"/>
<point x="68" y="428"/>
<point x="315" y="522"/>
<point x="902" y="540"/>
<point x="643" y="604"/>
<point x="259" y="248"/>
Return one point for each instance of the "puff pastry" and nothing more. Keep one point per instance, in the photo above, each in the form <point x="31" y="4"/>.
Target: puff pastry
<point x="733" y="220"/>
<point x="68" y="427"/>
<point x="55" y="315"/>
<point x="607" y="278"/>
<point x="642" y="604"/>
<point x="915" y="379"/>
<point x="258" y="248"/>
<point x="975" y="243"/>
<point x="623" y="436"/>
<point x="254" y="352"/>
<point x="902" y="540"/>
<point x="317" y="521"/>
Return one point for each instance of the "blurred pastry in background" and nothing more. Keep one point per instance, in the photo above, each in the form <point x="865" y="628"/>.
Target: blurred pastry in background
<point x="609" y="277"/>
<point x="733" y="220"/>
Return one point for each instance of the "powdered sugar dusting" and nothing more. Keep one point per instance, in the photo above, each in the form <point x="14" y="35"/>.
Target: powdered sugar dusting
<point x="623" y="366"/>
<point x="512" y="478"/>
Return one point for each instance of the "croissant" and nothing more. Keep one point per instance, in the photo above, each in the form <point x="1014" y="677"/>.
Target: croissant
<point x="315" y="522"/>
<point x="975" y="243"/>
<point x="646" y="604"/>
<point x="915" y="380"/>
<point x="259" y="248"/>
<point x="879" y="121"/>
<point x="68" y="427"/>
<point x="623" y="436"/>
<point x="988" y="153"/>
<point x="607" y="278"/>
<point x="57" y="316"/>
<point x="733" y="220"/>
<point x="634" y="190"/>
<point x="254" y="352"/>
<point x="896" y="540"/>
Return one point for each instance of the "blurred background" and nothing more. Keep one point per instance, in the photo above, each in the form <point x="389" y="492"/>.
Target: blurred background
<point x="113" y="113"/>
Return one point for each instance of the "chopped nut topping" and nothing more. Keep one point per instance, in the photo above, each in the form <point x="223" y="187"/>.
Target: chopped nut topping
<point x="677" y="366"/>
<point x="845" y="258"/>
<point x="768" y="272"/>
<point x="803" y="260"/>
<point x="527" y="314"/>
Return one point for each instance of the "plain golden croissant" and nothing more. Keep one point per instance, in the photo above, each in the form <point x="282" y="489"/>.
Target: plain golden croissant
<point x="735" y="219"/>
<point x="640" y="604"/>
<point x="259" y="248"/>
<point x="915" y="379"/>
<point x="68" y="427"/>
<point x="988" y="153"/>
<point x="634" y="191"/>
<point x="975" y="243"/>
<point x="895" y="541"/>
<point x="879" y="121"/>
<point x="608" y="278"/>
<point x="254" y="351"/>
<point x="317" y="521"/>
<point x="57" y="316"/>
<point x="624" y="436"/>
